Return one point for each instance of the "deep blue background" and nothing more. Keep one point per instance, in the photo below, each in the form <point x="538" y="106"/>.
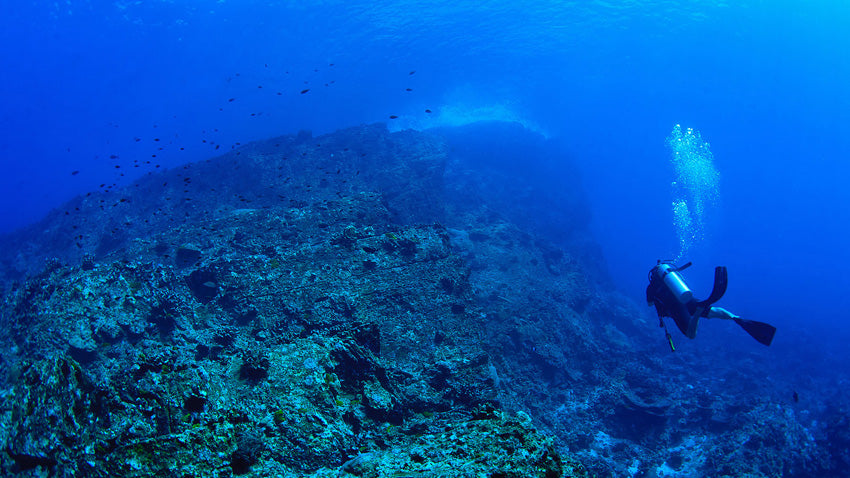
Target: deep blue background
<point x="767" y="83"/>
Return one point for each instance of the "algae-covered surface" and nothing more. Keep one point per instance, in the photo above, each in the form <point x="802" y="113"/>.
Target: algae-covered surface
<point x="362" y="303"/>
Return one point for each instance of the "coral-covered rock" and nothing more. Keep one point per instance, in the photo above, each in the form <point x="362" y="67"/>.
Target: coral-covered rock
<point x="361" y="304"/>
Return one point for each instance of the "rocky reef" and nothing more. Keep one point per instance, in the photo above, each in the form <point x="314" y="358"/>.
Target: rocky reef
<point x="360" y="304"/>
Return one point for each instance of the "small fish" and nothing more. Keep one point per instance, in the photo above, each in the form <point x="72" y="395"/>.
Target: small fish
<point x="305" y="91"/>
<point x="393" y="116"/>
<point x="74" y="173"/>
<point x="412" y="72"/>
<point x="113" y="156"/>
<point x="427" y="111"/>
<point x="209" y="284"/>
<point x="796" y="397"/>
<point x="408" y="89"/>
<point x="231" y="100"/>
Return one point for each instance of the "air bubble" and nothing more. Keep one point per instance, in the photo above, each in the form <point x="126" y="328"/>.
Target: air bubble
<point x="695" y="188"/>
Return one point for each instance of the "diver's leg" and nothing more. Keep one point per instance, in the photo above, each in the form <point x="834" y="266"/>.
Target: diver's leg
<point x="685" y="319"/>
<point x="721" y="313"/>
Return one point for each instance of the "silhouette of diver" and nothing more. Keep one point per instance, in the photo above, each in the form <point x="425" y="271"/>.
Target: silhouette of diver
<point x="671" y="297"/>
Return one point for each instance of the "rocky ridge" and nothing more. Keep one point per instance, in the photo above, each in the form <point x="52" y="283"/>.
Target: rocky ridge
<point x="357" y="304"/>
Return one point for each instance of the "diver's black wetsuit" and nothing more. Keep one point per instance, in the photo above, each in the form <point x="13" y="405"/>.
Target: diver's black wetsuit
<point x="667" y="305"/>
<point x="687" y="314"/>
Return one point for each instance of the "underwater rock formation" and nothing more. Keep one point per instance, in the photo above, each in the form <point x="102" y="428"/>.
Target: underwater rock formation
<point x="357" y="304"/>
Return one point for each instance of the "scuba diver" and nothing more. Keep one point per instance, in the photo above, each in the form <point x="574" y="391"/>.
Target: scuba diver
<point x="671" y="297"/>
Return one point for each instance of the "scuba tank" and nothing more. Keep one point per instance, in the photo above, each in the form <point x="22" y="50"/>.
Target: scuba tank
<point x="666" y="276"/>
<point x="673" y="280"/>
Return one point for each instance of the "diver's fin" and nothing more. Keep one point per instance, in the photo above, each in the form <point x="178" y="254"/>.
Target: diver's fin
<point x="758" y="330"/>
<point x="721" y="280"/>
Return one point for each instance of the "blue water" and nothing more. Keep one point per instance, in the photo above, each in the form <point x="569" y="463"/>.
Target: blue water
<point x="89" y="86"/>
